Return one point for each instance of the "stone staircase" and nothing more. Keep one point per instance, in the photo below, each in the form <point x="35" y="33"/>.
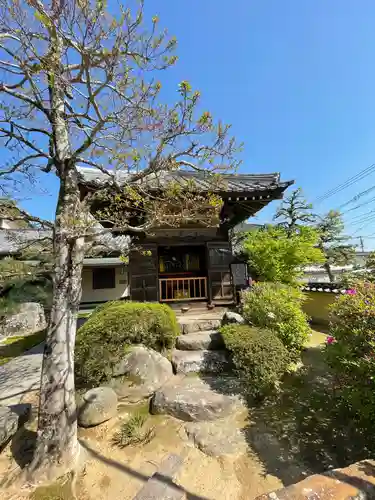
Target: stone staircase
<point x="200" y="347"/>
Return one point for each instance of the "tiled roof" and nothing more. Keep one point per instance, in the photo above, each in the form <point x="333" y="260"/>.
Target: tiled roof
<point x="13" y="241"/>
<point x="234" y="183"/>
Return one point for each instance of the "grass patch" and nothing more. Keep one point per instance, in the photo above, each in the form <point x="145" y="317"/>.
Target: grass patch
<point x="133" y="432"/>
<point x="17" y="345"/>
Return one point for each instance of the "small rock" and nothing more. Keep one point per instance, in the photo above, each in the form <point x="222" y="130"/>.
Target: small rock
<point x="192" y="399"/>
<point x="232" y="317"/>
<point x="140" y="373"/>
<point x="28" y="319"/>
<point x="217" y="438"/>
<point x="98" y="405"/>
<point x="200" y="341"/>
<point x="11" y="419"/>
<point x="200" y="361"/>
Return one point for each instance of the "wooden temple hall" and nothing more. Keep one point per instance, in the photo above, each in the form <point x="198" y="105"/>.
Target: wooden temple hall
<point x="194" y="263"/>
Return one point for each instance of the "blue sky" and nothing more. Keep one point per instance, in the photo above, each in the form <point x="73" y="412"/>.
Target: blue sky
<point x="296" y="78"/>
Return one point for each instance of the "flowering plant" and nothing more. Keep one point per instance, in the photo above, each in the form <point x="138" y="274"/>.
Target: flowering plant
<point x="350" y="348"/>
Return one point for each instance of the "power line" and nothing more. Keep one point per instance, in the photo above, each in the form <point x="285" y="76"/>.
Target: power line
<point x="359" y="206"/>
<point x="366" y="218"/>
<point x="356" y="198"/>
<point x="366" y="223"/>
<point x="360" y="216"/>
<point x="349" y="182"/>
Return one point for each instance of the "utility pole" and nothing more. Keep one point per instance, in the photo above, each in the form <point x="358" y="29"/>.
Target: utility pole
<point x="361" y="243"/>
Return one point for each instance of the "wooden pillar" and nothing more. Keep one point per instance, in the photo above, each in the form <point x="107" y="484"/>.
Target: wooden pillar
<point x="209" y="287"/>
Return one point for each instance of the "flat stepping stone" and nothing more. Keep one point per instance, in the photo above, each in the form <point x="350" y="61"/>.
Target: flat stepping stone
<point x="211" y="340"/>
<point x="192" y="399"/>
<point x="200" y="361"/>
<point x="194" y="326"/>
<point x="160" y="486"/>
<point x="217" y="438"/>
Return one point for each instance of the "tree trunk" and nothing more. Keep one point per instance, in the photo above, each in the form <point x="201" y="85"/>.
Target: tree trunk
<point x="327" y="267"/>
<point x="57" y="445"/>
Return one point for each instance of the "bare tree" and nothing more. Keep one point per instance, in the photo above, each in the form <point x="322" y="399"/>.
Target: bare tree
<point x="79" y="86"/>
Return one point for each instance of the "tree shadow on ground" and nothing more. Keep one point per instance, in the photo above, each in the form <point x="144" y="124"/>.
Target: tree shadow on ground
<point x="139" y="475"/>
<point x="305" y="428"/>
<point x="23" y="446"/>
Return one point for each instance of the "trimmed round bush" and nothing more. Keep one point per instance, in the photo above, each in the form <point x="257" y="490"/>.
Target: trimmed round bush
<point x="259" y="357"/>
<point x="278" y="308"/>
<point x="102" y="341"/>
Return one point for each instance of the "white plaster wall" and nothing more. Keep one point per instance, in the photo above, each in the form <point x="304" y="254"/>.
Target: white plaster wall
<point x="102" y="295"/>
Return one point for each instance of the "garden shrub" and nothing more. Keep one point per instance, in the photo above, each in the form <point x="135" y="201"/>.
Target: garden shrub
<point x="103" y="339"/>
<point x="350" y="350"/>
<point x="259" y="356"/>
<point x="278" y="308"/>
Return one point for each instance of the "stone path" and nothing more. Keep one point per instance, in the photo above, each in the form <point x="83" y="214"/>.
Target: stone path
<point x="20" y="376"/>
<point x="200" y="347"/>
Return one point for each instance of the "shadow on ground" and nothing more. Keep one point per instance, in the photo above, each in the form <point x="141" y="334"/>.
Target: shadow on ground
<point x="305" y="428"/>
<point x="139" y="475"/>
<point x="23" y="446"/>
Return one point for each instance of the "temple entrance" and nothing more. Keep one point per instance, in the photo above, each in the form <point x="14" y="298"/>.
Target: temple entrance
<point x="182" y="273"/>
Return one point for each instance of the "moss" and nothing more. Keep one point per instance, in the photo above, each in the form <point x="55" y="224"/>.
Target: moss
<point x="15" y="346"/>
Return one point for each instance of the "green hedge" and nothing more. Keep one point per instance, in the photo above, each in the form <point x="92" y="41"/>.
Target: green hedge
<point x="259" y="356"/>
<point x="278" y="308"/>
<point x="112" y="327"/>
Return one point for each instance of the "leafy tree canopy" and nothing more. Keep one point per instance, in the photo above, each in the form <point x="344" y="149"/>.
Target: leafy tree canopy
<point x="277" y="256"/>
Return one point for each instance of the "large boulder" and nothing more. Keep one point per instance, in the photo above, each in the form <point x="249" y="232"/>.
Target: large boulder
<point x="97" y="406"/>
<point x="28" y="319"/>
<point x="200" y="361"/>
<point x="231" y="317"/>
<point x="217" y="438"/>
<point x="11" y="419"/>
<point x="140" y="373"/>
<point x="192" y="399"/>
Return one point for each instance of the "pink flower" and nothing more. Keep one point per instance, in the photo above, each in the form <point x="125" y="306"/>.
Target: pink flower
<point x="330" y="339"/>
<point x="351" y="292"/>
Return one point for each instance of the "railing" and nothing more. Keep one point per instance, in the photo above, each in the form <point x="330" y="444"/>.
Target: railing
<point x="172" y="289"/>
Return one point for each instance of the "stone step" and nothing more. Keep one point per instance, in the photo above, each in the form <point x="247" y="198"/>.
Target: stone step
<point x="200" y="361"/>
<point x="192" y="399"/>
<point x="211" y="340"/>
<point x="198" y="325"/>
